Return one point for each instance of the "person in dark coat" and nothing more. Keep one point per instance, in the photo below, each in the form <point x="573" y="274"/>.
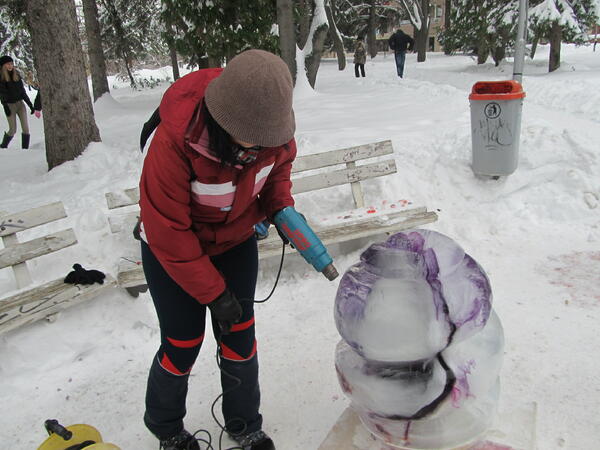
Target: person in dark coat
<point x="13" y="96"/>
<point x="400" y="42"/>
<point x="360" y="57"/>
<point x="219" y="162"/>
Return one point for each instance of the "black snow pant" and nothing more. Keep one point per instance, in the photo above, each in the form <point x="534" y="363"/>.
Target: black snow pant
<point x="357" y="67"/>
<point x="182" y="322"/>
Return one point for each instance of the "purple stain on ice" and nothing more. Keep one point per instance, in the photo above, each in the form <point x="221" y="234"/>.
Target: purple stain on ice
<point x="461" y="389"/>
<point x="353" y="291"/>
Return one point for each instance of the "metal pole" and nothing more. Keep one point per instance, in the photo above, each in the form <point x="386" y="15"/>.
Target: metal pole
<point x="520" y="41"/>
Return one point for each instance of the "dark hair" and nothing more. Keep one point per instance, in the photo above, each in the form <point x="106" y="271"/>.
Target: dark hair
<point x="219" y="141"/>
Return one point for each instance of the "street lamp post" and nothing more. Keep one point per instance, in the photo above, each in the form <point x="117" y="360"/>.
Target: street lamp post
<point x="520" y="42"/>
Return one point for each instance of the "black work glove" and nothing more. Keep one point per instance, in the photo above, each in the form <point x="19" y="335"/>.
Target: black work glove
<point x="137" y="230"/>
<point x="226" y="310"/>
<point x="82" y="276"/>
<point x="6" y="109"/>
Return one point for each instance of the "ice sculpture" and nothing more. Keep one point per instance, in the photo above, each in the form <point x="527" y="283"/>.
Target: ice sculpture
<point x="421" y="348"/>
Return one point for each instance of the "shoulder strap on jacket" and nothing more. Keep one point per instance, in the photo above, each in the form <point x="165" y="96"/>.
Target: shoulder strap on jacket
<point x="148" y="128"/>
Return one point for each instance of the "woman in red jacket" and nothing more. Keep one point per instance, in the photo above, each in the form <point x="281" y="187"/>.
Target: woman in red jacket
<point x="219" y="162"/>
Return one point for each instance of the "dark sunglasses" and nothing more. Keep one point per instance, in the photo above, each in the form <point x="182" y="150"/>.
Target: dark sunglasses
<point x="255" y="148"/>
<point x="246" y="155"/>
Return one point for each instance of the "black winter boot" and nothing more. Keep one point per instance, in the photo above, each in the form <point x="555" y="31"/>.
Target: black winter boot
<point x="181" y="441"/>
<point x="257" y="440"/>
<point x="5" y="141"/>
<point x="25" y="141"/>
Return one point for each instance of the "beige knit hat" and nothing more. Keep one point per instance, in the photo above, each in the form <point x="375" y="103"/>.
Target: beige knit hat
<point x="252" y="99"/>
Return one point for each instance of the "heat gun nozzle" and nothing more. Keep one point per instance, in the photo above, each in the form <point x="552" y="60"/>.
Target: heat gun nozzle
<point x="330" y="272"/>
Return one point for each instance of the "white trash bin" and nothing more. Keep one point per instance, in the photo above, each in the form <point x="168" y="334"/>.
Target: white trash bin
<point x="495" y="126"/>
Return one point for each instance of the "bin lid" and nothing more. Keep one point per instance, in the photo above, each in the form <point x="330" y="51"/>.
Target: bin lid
<point x="497" y="90"/>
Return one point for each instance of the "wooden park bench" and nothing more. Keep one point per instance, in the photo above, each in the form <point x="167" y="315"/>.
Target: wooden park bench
<point x="34" y="302"/>
<point x="309" y="173"/>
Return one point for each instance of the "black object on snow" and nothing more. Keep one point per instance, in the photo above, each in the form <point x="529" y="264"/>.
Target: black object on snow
<point x="81" y="276"/>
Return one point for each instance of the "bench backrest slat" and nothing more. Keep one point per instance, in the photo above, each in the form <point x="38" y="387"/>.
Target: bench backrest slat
<point x="343" y="176"/>
<point x="342" y="156"/>
<point x="13" y="223"/>
<point x="25" y="251"/>
<point x="347" y="156"/>
<point x="123" y="198"/>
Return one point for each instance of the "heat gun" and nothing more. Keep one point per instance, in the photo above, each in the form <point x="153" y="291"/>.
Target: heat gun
<point x="293" y="226"/>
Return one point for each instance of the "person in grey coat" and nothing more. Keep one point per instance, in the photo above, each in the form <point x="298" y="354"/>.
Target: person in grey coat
<point x="360" y="57"/>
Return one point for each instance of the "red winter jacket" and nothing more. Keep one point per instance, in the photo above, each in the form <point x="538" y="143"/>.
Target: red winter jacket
<point x="192" y="206"/>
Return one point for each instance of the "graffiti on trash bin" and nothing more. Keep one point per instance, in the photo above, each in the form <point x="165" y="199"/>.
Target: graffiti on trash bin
<point x="495" y="131"/>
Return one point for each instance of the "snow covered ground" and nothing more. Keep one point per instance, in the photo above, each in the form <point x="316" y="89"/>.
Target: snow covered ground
<point x="536" y="233"/>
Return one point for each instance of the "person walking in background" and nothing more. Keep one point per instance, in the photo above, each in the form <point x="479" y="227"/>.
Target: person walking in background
<point x="400" y="42"/>
<point x="12" y="96"/>
<point x="360" y="57"/>
<point x="219" y="163"/>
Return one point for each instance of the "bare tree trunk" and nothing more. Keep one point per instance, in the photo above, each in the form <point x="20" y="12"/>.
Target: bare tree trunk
<point x="174" y="62"/>
<point x="314" y="59"/>
<point x="338" y="45"/>
<point x="95" y="52"/>
<point x="69" y="123"/>
<point x="498" y="54"/>
<point x="534" y="44"/>
<point x="372" y="30"/>
<point x="483" y="50"/>
<point x="128" y="69"/>
<point x="121" y="44"/>
<point x="422" y="35"/>
<point x="447" y="24"/>
<point x="287" y="39"/>
<point x="173" y="51"/>
<point x="555" y="41"/>
<point x="304" y="16"/>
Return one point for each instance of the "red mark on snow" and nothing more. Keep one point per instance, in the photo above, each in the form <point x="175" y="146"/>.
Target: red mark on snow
<point x="578" y="273"/>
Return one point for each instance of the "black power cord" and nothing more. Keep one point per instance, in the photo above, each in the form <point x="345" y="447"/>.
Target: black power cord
<point x="208" y="439"/>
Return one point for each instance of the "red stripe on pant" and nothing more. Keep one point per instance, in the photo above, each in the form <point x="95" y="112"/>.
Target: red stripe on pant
<point x="166" y="364"/>
<point x="229" y="354"/>
<point x="187" y="343"/>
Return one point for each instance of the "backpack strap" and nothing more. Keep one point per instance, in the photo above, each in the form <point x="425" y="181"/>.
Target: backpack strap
<point x="148" y="128"/>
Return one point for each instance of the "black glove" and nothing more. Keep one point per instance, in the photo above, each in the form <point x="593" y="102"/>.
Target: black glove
<point x="82" y="276"/>
<point x="137" y="230"/>
<point x="32" y="111"/>
<point x="226" y="310"/>
<point x="6" y="109"/>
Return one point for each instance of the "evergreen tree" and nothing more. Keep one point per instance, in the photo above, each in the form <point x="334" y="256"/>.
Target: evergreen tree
<point x="487" y="26"/>
<point x="561" y="20"/>
<point x="131" y="31"/>
<point x="207" y="32"/>
<point x="353" y="17"/>
<point x="15" y="39"/>
<point x="94" y="49"/>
